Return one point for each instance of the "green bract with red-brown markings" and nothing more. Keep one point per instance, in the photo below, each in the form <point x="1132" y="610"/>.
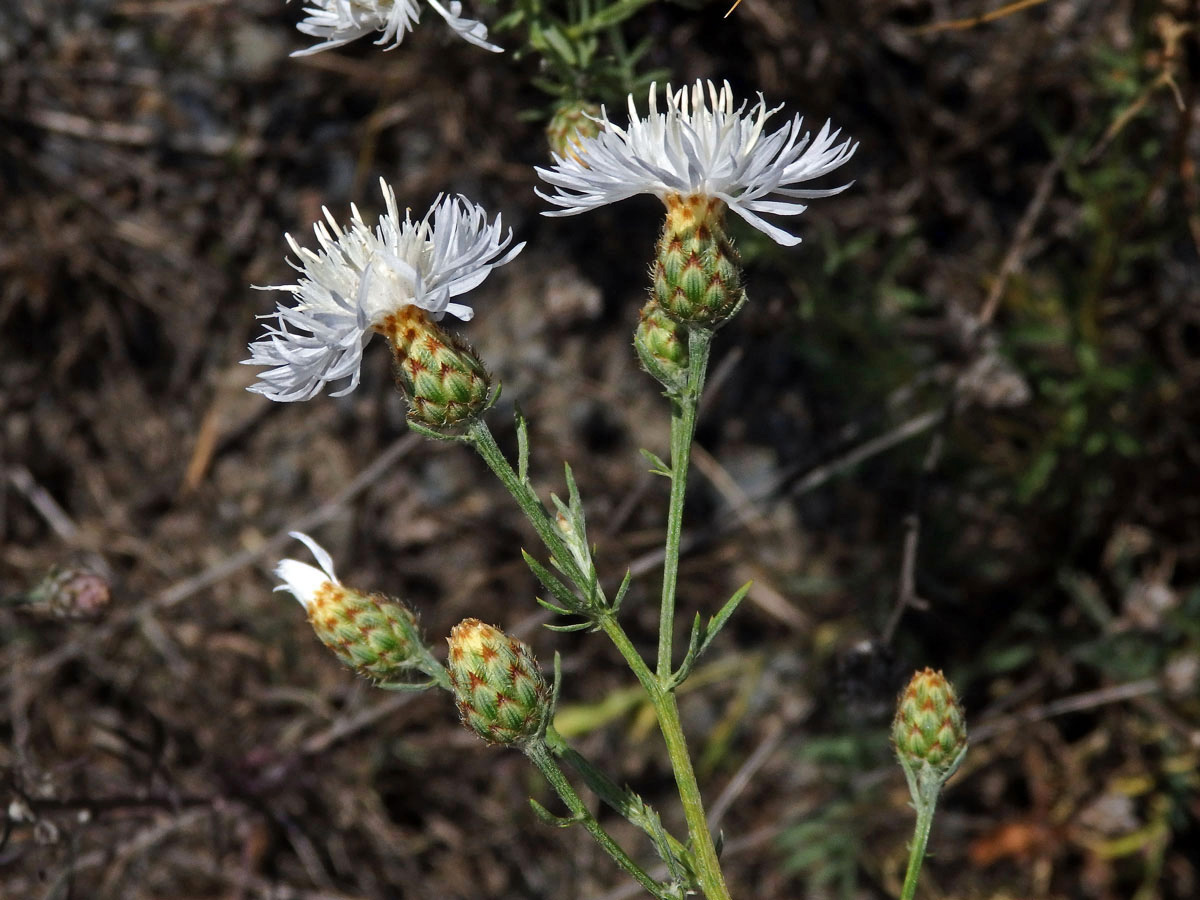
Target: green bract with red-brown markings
<point x="498" y="685"/>
<point x="695" y="273"/>
<point x="929" y="731"/>
<point x="441" y="375"/>
<point x="372" y="634"/>
<point x="661" y="345"/>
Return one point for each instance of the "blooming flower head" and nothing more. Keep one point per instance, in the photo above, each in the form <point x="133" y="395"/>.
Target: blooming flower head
<point x="362" y="281"/>
<point x="339" y="22"/>
<point x="701" y="146"/>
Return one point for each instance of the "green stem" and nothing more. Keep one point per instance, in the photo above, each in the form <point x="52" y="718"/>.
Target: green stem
<point x="620" y="800"/>
<point x="708" y="866"/>
<point x="704" y="851"/>
<point x="925" y="802"/>
<point x="684" y="409"/>
<point x="481" y="438"/>
<point x="539" y="754"/>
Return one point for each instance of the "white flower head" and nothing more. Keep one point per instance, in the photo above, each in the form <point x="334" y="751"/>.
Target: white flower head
<point x="304" y="581"/>
<point x="339" y="22"/>
<point x="701" y="145"/>
<point x="359" y="276"/>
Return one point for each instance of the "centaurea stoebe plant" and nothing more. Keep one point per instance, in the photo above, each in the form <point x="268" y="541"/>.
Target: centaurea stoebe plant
<point x="702" y="155"/>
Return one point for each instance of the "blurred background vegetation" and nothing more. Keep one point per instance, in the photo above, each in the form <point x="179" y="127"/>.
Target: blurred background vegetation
<point x="957" y="427"/>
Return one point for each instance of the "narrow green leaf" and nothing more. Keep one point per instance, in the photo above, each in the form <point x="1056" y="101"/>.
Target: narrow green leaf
<point x="717" y="622"/>
<point x="551" y="819"/>
<point x="406" y="687"/>
<point x="522" y="444"/>
<point x="558" y="42"/>
<point x="692" y="654"/>
<point x="578" y="626"/>
<point x="553" y="607"/>
<point x="621" y="592"/>
<point x="657" y="466"/>
<point x="561" y="592"/>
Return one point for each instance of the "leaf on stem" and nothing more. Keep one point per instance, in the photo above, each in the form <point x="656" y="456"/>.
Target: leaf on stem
<point x="578" y="626"/>
<point x="553" y="607"/>
<point x="657" y="466"/>
<point x="522" y="444"/>
<point x="702" y="635"/>
<point x="621" y="592"/>
<point x="551" y="819"/>
<point x="561" y="592"/>
<point x="409" y="687"/>
<point x="436" y="435"/>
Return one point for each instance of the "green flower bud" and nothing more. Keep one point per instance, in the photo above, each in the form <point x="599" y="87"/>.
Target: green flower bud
<point x="697" y="278"/>
<point x="372" y="634"/>
<point x="929" y="732"/>
<point x="66" y="593"/>
<point x="570" y="125"/>
<point x="662" y="346"/>
<point x="497" y="683"/>
<point x="442" y="377"/>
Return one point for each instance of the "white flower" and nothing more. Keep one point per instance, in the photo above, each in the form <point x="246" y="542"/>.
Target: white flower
<point x="700" y="145"/>
<point x="304" y="581"/>
<point x="359" y="277"/>
<point x="339" y="22"/>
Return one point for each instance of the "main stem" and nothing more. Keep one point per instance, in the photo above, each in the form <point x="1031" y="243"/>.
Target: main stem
<point x="926" y="804"/>
<point x="684" y="409"/>
<point x="683" y="426"/>
<point x="539" y="754"/>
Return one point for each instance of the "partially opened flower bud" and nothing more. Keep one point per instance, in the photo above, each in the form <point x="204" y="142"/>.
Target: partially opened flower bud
<point x="497" y="683"/>
<point x="929" y="732"/>
<point x="440" y="374"/>
<point x="370" y="633"/>
<point x="661" y="345"/>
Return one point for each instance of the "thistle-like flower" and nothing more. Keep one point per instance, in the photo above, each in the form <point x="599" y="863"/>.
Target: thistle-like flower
<point x="390" y="280"/>
<point x="372" y="634"/>
<point x="339" y="22"/>
<point x="701" y="147"/>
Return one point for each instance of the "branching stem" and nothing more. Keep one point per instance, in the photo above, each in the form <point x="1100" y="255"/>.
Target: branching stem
<point x="540" y="755"/>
